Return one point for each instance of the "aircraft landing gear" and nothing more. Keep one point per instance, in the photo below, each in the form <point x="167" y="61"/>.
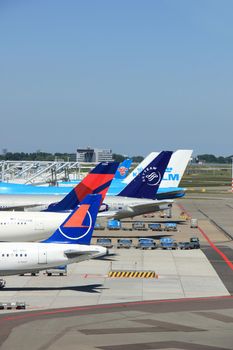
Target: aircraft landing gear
<point x="2" y="283"/>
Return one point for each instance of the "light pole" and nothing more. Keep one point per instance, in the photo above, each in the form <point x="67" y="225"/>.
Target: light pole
<point x="231" y="174"/>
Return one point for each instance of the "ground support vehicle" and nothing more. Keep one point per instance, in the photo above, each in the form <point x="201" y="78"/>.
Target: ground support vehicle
<point x="184" y="245"/>
<point x="105" y="242"/>
<point x="58" y="270"/>
<point x="146" y="243"/>
<point x="2" y="283"/>
<point x="99" y="227"/>
<point x="194" y="242"/>
<point x="171" y="226"/>
<point x="193" y="223"/>
<point x="155" y="227"/>
<point x="168" y="243"/>
<point x="124" y="243"/>
<point x="114" y="224"/>
<point x="139" y="226"/>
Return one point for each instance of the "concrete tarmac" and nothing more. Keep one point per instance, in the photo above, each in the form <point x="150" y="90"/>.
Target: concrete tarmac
<point x="181" y="273"/>
<point x="165" y="313"/>
<point x="200" y="324"/>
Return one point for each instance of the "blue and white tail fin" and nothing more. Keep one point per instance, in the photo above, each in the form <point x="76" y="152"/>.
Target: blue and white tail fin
<point x="147" y="182"/>
<point x="146" y="161"/>
<point x="97" y="181"/>
<point x="175" y="169"/>
<point x="79" y="225"/>
<point x="123" y="169"/>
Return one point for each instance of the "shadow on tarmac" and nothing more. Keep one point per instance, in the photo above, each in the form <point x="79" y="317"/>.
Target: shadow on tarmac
<point x="108" y="257"/>
<point x="90" y="288"/>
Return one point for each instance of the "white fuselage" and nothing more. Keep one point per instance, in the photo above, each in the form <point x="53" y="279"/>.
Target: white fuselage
<point x="27" y="202"/>
<point x="16" y="226"/>
<point x="17" y="258"/>
<point x="123" y="206"/>
<point x="27" y="227"/>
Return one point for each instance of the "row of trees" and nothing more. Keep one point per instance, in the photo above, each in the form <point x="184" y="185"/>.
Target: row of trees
<point x="40" y="156"/>
<point x="120" y="158"/>
<point x="210" y="158"/>
<point x="55" y="156"/>
<point x="36" y="156"/>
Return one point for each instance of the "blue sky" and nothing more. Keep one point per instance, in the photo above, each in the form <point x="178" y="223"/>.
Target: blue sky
<point x="133" y="76"/>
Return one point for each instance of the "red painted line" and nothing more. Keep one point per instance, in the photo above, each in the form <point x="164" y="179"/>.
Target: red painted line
<point x="183" y="209"/>
<point x="223" y="256"/>
<point x="109" y="306"/>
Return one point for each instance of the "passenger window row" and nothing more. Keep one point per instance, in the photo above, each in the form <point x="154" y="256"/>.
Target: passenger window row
<point x="18" y="223"/>
<point x="7" y="255"/>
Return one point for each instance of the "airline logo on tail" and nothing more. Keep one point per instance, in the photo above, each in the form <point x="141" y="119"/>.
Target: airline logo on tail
<point x="151" y="176"/>
<point x="82" y="219"/>
<point x="79" y="225"/>
<point x="123" y="170"/>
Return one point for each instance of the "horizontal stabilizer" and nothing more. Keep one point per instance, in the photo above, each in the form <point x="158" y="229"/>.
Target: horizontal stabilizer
<point x="75" y="253"/>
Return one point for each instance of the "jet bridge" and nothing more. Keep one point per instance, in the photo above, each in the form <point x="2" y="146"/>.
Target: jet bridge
<point x="42" y="172"/>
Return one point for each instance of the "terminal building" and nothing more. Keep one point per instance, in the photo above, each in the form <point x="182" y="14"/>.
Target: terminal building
<point x="93" y="155"/>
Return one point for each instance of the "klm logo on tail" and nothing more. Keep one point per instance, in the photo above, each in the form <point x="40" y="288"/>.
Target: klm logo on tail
<point x="170" y="176"/>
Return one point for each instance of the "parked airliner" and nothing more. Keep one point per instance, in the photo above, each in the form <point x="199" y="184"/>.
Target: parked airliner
<point x="70" y="243"/>
<point x="21" y="189"/>
<point x="33" y="226"/>
<point x="168" y="189"/>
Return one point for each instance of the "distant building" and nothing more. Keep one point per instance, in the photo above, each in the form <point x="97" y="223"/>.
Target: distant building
<point x="94" y="155"/>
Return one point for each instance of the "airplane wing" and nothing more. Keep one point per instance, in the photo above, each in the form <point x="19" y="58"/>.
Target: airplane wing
<point x="19" y="207"/>
<point x="144" y="208"/>
<point x="174" y="193"/>
<point x="157" y="205"/>
<point x="107" y="214"/>
<point x="71" y="253"/>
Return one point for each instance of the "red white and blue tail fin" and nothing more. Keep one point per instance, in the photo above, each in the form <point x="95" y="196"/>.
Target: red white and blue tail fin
<point x="97" y="181"/>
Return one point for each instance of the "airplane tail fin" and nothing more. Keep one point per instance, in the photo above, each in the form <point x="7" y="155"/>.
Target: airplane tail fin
<point x="97" y="181"/>
<point x="146" y="183"/>
<point x="79" y="225"/>
<point x="176" y="167"/>
<point x="123" y="169"/>
<point x="140" y="167"/>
